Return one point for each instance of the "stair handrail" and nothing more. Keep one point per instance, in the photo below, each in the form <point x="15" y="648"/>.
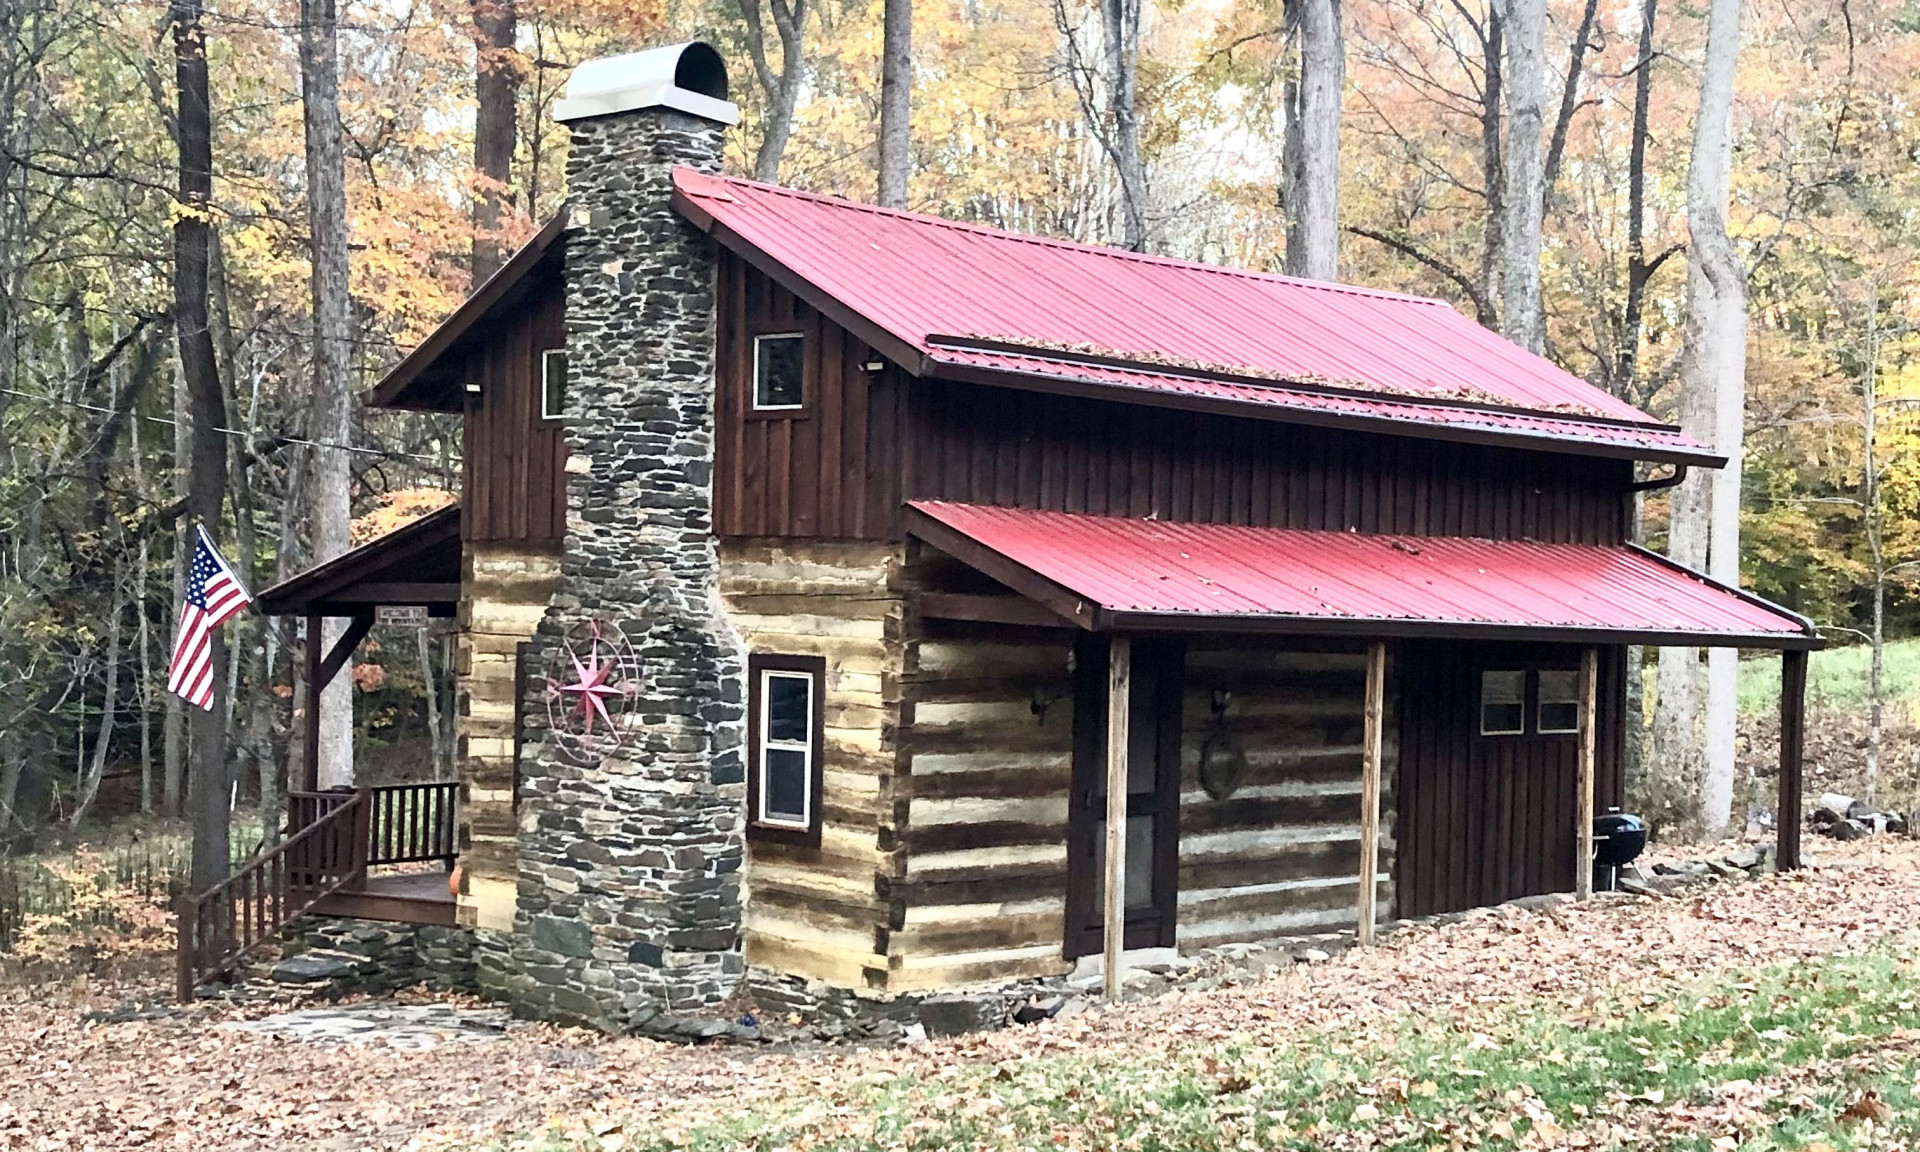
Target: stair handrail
<point x="316" y="861"/>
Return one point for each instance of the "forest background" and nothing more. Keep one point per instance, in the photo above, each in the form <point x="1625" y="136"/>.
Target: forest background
<point x="1162" y="126"/>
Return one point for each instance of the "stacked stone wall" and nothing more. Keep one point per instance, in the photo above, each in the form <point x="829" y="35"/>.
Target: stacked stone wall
<point x="629" y="867"/>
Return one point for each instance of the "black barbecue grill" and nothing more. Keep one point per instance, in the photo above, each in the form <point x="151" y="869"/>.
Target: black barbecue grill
<point x="1618" y="839"/>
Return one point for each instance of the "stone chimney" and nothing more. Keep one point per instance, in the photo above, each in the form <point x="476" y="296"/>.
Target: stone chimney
<point x="630" y="861"/>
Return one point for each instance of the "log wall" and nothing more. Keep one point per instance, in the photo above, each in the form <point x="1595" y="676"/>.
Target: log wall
<point x="1281" y="853"/>
<point x="984" y="890"/>
<point x="504" y="591"/>
<point x="820" y="912"/>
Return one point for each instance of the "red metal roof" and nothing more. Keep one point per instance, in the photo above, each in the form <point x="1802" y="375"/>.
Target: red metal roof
<point x="959" y="295"/>
<point x="1151" y="573"/>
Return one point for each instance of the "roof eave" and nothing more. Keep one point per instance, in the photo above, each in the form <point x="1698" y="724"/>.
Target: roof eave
<point x="1420" y="429"/>
<point x="296" y="594"/>
<point x="1391" y="628"/>
<point x="397" y="388"/>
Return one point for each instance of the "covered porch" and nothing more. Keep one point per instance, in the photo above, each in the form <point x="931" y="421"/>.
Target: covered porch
<point x="1487" y="708"/>
<point x="385" y="852"/>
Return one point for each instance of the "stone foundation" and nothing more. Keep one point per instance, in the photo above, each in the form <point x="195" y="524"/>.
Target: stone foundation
<point x="338" y="957"/>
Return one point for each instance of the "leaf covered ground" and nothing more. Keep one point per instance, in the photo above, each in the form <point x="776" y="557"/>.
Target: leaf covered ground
<point x="1744" y="1015"/>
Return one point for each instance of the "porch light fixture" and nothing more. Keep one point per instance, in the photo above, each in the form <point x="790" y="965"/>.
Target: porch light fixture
<point x="472" y="388"/>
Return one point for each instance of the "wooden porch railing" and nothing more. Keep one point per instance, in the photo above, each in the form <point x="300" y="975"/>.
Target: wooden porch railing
<point x="413" y="822"/>
<point x="223" y="924"/>
<point x="335" y="837"/>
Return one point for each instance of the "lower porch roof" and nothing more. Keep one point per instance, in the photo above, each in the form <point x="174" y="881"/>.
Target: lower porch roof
<point x="416" y="563"/>
<point x="1116" y="574"/>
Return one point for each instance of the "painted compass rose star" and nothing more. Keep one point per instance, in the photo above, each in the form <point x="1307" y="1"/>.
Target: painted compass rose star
<point x="591" y="686"/>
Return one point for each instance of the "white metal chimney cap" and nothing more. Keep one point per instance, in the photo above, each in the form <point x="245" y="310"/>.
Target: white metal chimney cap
<point x="687" y="77"/>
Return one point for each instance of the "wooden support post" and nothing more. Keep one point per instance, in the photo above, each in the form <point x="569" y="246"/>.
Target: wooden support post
<point x="1793" y="730"/>
<point x="310" y="727"/>
<point x="1370" y="788"/>
<point x="1589" y="725"/>
<point x="1119" y="699"/>
<point x="186" y="946"/>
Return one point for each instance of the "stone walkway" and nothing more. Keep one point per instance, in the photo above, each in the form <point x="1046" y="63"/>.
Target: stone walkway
<point x="408" y="1026"/>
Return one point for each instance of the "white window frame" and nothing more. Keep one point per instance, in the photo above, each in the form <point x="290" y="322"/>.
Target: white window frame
<point x="755" y="382"/>
<point x="803" y="746"/>
<point x="546" y="384"/>
<point x="1540" y="701"/>
<point x="1481" y="703"/>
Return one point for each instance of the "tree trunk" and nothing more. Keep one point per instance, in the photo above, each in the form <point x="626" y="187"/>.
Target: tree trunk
<point x="109" y="705"/>
<point x="1627" y="357"/>
<point x="173" y="725"/>
<point x="496" y="87"/>
<point x="1310" y="167"/>
<point x="207" y="783"/>
<point x="1521" y="318"/>
<point x="1492" y="162"/>
<point x="1120" y="36"/>
<point x="1569" y="97"/>
<point x="780" y="92"/>
<point x="1872" y="516"/>
<point x="1715" y="368"/>
<point x="332" y="422"/>
<point x="896" y="103"/>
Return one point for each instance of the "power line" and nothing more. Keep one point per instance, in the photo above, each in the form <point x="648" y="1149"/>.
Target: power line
<point x="381" y="452"/>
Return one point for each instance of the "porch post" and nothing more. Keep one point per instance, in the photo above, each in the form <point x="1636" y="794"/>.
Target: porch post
<point x="1583" y="830"/>
<point x="1793" y="725"/>
<point x="310" y="730"/>
<point x="1114" y="922"/>
<point x="1370" y="788"/>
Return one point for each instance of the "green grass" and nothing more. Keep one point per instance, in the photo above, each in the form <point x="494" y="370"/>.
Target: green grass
<point x="1835" y="677"/>
<point x="1421" y="1081"/>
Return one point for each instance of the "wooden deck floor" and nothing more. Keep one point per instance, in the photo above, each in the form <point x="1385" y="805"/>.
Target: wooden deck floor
<point x="403" y="897"/>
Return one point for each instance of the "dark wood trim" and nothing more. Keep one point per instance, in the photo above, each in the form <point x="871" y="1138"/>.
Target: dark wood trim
<point x="1162" y="660"/>
<point x="1793" y="732"/>
<point x="342" y="650"/>
<point x="1378" y="425"/>
<point x="816" y="667"/>
<point x="310" y="728"/>
<point x="1016" y="610"/>
<point x="390" y="908"/>
<point x="327" y="581"/>
<point x="964" y="548"/>
<point x="893" y="347"/>
<point x="397" y="593"/>
<point x="393" y="389"/>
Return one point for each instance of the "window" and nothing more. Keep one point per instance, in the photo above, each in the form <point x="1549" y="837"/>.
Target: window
<point x="1503" y="703"/>
<point x="784" y="743"/>
<point x="553" y="384"/>
<point x="1559" y="706"/>
<point x="779" y="375"/>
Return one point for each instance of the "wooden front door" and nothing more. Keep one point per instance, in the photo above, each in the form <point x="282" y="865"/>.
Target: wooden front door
<point x="1153" y="795"/>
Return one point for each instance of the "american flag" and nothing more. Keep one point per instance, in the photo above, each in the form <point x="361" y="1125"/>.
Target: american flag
<point x="214" y="596"/>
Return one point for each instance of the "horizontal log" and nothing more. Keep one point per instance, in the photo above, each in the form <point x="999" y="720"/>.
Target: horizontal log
<point x="1014" y="610"/>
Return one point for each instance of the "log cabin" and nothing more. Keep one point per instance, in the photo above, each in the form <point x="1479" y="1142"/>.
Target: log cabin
<point x="856" y="604"/>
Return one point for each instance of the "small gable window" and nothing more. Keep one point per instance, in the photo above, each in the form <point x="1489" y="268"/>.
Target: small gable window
<point x="779" y="375"/>
<point x="784" y="747"/>
<point x="1559" y="707"/>
<point x="1503" y="703"/>
<point x="553" y="384"/>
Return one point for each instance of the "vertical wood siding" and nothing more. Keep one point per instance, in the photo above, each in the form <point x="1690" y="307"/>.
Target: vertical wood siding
<point x="870" y="440"/>
<point x="1000" y="446"/>
<point x="1488" y="819"/>
<point x="513" y="486"/>
<point x="1281" y="854"/>
<point x="831" y="470"/>
<point x="818" y="911"/>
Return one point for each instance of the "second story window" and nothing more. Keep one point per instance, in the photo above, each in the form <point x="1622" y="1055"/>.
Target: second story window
<point x="553" y="384"/>
<point x="779" y="375"/>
